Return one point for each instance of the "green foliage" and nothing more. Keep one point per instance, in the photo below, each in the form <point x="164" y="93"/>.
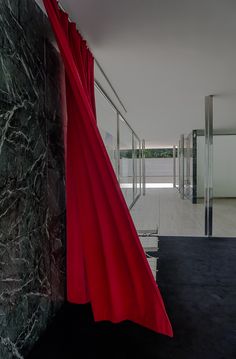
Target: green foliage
<point x="158" y="153"/>
<point x="125" y="153"/>
<point x="150" y="153"/>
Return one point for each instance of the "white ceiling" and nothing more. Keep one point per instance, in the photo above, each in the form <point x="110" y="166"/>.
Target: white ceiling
<point x="163" y="57"/>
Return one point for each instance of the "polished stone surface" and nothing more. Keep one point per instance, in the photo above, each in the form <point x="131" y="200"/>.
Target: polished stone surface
<point x="197" y="279"/>
<point x="32" y="209"/>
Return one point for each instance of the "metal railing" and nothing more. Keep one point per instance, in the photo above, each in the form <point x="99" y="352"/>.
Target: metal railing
<point x="127" y="154"/>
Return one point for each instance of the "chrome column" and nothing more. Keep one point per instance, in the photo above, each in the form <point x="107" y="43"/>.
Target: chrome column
<point x="143" y="168"/>
<point x="140" y="166"/>
<point x="174" y="166"/>
<point x="208" y="197"/>
<point x="181" y="166"/>
<point x="188" y="166"/>
<point x="133" y="165"/>
<point x="118" y="147"/>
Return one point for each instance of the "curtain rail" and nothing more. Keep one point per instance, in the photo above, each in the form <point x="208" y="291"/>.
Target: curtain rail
<point x="101" y="69"/>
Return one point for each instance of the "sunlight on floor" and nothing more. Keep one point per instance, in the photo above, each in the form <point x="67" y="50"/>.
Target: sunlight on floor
<point x="148" y="185"/>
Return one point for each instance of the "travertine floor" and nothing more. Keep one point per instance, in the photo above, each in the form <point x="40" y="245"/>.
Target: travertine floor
<point x="173" y="216"/>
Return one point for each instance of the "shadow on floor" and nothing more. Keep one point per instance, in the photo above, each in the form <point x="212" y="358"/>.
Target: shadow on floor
<point x="197" y="278"/>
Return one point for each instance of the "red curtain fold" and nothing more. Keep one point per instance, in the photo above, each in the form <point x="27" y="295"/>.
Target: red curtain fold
<point x="106" y="264"/>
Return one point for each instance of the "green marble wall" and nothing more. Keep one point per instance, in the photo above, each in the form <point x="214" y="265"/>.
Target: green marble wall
<point x="32" y="208"/>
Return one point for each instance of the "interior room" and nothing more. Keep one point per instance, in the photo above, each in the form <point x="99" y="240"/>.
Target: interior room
<point x="117" y="179"/>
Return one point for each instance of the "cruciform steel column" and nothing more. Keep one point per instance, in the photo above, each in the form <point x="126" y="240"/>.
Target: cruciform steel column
<point x="181" y="167"/>
<point x="174" y="166"/>
<point x="143" y="168"/>
<point x="208" y="197"/>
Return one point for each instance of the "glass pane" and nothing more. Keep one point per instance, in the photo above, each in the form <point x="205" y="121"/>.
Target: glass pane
<point x="177" y="167"/>
<point x="107" y="124"/>
<point x="224" y="185"/>
<point x="135" y="165"/>
<point x="139" y="166"/>
<point x="181" y="213"/>
<point x="188" y="167"/>
<point x="181" y="166"/>
<point x="198" y="174"/>
<point x="126" y="161"/>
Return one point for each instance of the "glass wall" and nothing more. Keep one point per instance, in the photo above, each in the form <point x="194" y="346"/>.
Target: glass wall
<point x="188" y="167"/>
<point x="181" y="166"/>
<point x="224" y="184"/>
<point x="224" y="179"/>
<point x="190" y="205"/>
<point x="123" y="147"/>
<point x="107" y="124"/>
<point x="223" y="207"/>
<point x="126" y="161"/>
<point x="136" y="165"/>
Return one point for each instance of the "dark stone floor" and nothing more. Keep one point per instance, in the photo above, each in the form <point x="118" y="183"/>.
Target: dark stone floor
<point x="198" y="281"/>
<point x="197" y="278"/>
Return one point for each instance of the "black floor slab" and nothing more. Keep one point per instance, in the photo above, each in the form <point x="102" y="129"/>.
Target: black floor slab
<point x="74" y="334"/>
<point x="197" y="278"/>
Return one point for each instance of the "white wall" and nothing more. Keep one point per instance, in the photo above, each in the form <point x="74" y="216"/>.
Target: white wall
<point x="224" y="165"/>
<point x="157" y="167"/>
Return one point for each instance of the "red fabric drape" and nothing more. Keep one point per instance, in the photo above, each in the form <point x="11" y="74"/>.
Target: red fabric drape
<point x="106" y="264"/>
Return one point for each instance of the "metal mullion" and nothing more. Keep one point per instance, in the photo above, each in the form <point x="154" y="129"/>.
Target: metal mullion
<point x="133" y="157"/>
<point x="140" y="168"/>
<point x="181" y="167"/>
<point x="118" y="146"/>
<point x="174" y="166"/>
<point x="143" y="168"/>
<point x="208" y="198"/>
<point x="178" y="156"/>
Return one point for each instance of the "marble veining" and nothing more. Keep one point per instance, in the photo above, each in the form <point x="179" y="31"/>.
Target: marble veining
<point x="32" y="205"/>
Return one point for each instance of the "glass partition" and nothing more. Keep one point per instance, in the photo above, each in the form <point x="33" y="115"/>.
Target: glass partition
<point x="181" y="166"/>
<point x="139" y="166"/>
<point x="223" y="206"/>
<point x="224" y="184"/>
<point x="107" y="124"/>
<point x="123" y="147"/>
<point x="188" y="155"/>
<point x="136" y="166"/>
<point x="179" y="215"/>
<point x="126" y="161"/>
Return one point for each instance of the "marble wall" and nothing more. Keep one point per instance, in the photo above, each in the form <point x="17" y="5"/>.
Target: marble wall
<point x="32" y="208"/>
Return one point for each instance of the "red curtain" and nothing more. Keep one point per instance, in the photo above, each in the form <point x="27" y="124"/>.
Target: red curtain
<point x="106" y="264"/>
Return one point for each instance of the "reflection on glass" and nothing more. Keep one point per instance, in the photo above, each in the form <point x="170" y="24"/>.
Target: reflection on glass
<point x="123" y="148"/>
<point x="224" y="184"/>
<point x="126" y="161"/>
<point x="137" y="166"/>
<point x="188" y="155"/>
<point x="181" y="166"/>
<point x="107" y="124"/>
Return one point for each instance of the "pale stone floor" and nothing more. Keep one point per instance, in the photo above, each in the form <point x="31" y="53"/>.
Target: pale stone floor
<point x="163" y="208"/>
